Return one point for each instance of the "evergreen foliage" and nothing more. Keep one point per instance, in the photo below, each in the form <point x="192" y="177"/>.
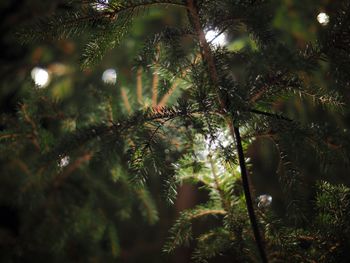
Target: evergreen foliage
<point x="82" y="174"/>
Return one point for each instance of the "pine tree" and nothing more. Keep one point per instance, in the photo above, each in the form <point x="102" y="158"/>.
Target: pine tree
<point x="229" y="97"/>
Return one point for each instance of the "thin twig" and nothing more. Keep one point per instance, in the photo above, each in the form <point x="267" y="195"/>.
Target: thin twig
<point x="139" y="86"/>
<point x="10" y="136"/>
<point x="155" y="81"/>
<point x="110" y="111"/>
<point x="217" y="187"/>
<point x="175" y="84"/>
<point x="273" y="115"/>
<point x="35" y="132"/>
<point x="166" y="97"/>
<point x="126" y="100"/>
<point x="209" y="212"/>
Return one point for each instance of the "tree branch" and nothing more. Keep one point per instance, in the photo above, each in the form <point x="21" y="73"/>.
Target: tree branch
<point x="247" y="193"/>
<point x="273" y="115"/>
<point x="209" y="59"/>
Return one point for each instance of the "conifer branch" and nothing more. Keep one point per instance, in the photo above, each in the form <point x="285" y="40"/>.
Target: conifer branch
<point x="175" y="84"/>
<point x="115" y="9"/>
<point x="132" y="6"/>
<point x="166" y="97"/>
<point x="157" y="114"/>
<point x="247" y="193"/>
<point x="155" y="80"/>
<point x="79" y="20"/>
<point x="208" y="212"/>
<point x="181" y="231"/>
<point x="10" y="136"/>
<point x="221" y="193"/>
<point x="155" y="83"/>
<point x="35" y="134"/>
<point x="209" y="59"/>
<point x="23" y="167"/>
<point x="259" y="94"/>
<point x="273" y="115"/>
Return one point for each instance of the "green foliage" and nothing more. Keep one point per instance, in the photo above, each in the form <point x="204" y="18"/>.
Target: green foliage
<point x="324" y="238"/>
<point x="332" y="204"/>
<point x="83" y="172"/>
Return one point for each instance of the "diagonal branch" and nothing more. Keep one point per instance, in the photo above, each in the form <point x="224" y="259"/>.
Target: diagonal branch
<point x="175" y="84"/>
<point x="35" y="133"/>
<point x="209" y="59"/>
<point x="272" y="115"/>
<point x="166" y="97"/>
<point x="248" y="199"/>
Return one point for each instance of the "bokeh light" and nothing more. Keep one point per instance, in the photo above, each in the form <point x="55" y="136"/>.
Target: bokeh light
<point x="323" y="18"/>
<point x="41" y="77"/>
<point x="216" y="37"/>
<point x="264" y="200"/>
<point x="64" y="161"/>
<point x="109" y="76"/>
<point x="100" y="5"/>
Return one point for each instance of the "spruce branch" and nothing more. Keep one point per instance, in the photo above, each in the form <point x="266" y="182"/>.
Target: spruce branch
<point x="121" y="126"/>
<point x="155" y="80"/>
<point x="113" y="10"/>
<point x="166" y="97"/>
<point x="129" y="5"/>
<point x="176" y="82"/>
<point x="224" y="203"/>
<point x="35" y="133"/>
<point x="269" y="114"/>
<point x="182" y="230"/>
<point x="209" y="59"/>
<point x="23" y="167"/>
<point x="249" y="202"/>
<point x="11" y="136"/>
